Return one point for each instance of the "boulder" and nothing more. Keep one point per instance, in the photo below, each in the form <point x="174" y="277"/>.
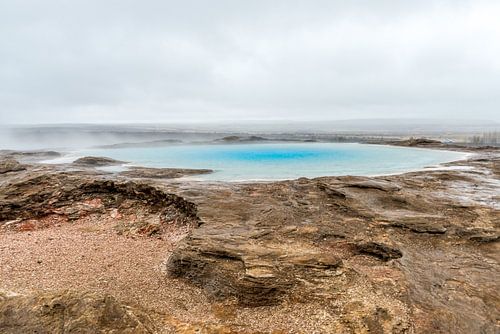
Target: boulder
<point x="379" y="250"/>
<point x="10" y="165"/>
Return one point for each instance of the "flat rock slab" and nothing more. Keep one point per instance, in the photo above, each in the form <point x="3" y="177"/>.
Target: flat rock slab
<point x="162" y="173"/>
<point x="96" y="162"/>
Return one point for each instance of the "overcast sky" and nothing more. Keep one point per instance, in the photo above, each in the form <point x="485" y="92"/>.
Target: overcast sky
<point x="162" y="61"/>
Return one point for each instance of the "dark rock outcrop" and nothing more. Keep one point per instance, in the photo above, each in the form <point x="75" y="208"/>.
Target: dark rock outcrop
<point x="238" y="139"/>
<point x="162" y="173"/>
<point x="96" y="162"/>
<point x="420" y="225"/>
<point x="417" y="142"/>
<point x="380" y="250"/>
<point x="59" y="194"/>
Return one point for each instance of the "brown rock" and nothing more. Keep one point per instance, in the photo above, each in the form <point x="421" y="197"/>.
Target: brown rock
<point x="292" y="246"/>
<point x="96" y="162"/>
<point x="162" y="173"/>
<point x="70" y="312"/>
<point x="380" y="250"/>
<point x="10" y="165"/>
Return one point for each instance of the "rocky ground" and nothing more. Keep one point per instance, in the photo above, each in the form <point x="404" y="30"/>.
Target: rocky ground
<point x="89" y="250"/>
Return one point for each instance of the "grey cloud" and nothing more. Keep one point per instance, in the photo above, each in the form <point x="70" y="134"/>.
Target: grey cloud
<point x="92" y="61"/>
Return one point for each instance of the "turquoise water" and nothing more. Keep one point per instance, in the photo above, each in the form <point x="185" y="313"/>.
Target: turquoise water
<point x="233" y="162"/>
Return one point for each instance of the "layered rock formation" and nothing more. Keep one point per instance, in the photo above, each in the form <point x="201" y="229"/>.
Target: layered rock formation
<point x="38" y="199"/>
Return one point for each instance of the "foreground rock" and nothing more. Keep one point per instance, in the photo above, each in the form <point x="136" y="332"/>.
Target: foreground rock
<point x="96" y="162"/>
<point x="40" y="200"/>
<point x="70" y="312"/>
<point x="411" y="253"/>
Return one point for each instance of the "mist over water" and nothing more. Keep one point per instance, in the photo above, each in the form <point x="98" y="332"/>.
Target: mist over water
<point x="77" y="136"/>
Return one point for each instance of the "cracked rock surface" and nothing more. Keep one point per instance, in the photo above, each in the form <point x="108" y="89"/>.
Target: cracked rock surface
<point x="400" y="250"/>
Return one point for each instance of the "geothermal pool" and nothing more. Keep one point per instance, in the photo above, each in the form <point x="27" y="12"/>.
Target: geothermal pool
<point x="279" y="161"/>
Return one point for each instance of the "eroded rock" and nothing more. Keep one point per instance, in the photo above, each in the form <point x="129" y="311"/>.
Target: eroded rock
<point x="47" y="199"/>
<point x="10" y="165"/>
<point x="298" y="241"/>
<point x="70" y="312"/>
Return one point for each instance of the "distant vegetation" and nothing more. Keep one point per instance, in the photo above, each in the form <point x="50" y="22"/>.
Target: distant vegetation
<point x="487" y="138"/>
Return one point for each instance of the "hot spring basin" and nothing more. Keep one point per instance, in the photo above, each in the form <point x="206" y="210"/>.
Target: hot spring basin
<point x="279" y="161"/>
